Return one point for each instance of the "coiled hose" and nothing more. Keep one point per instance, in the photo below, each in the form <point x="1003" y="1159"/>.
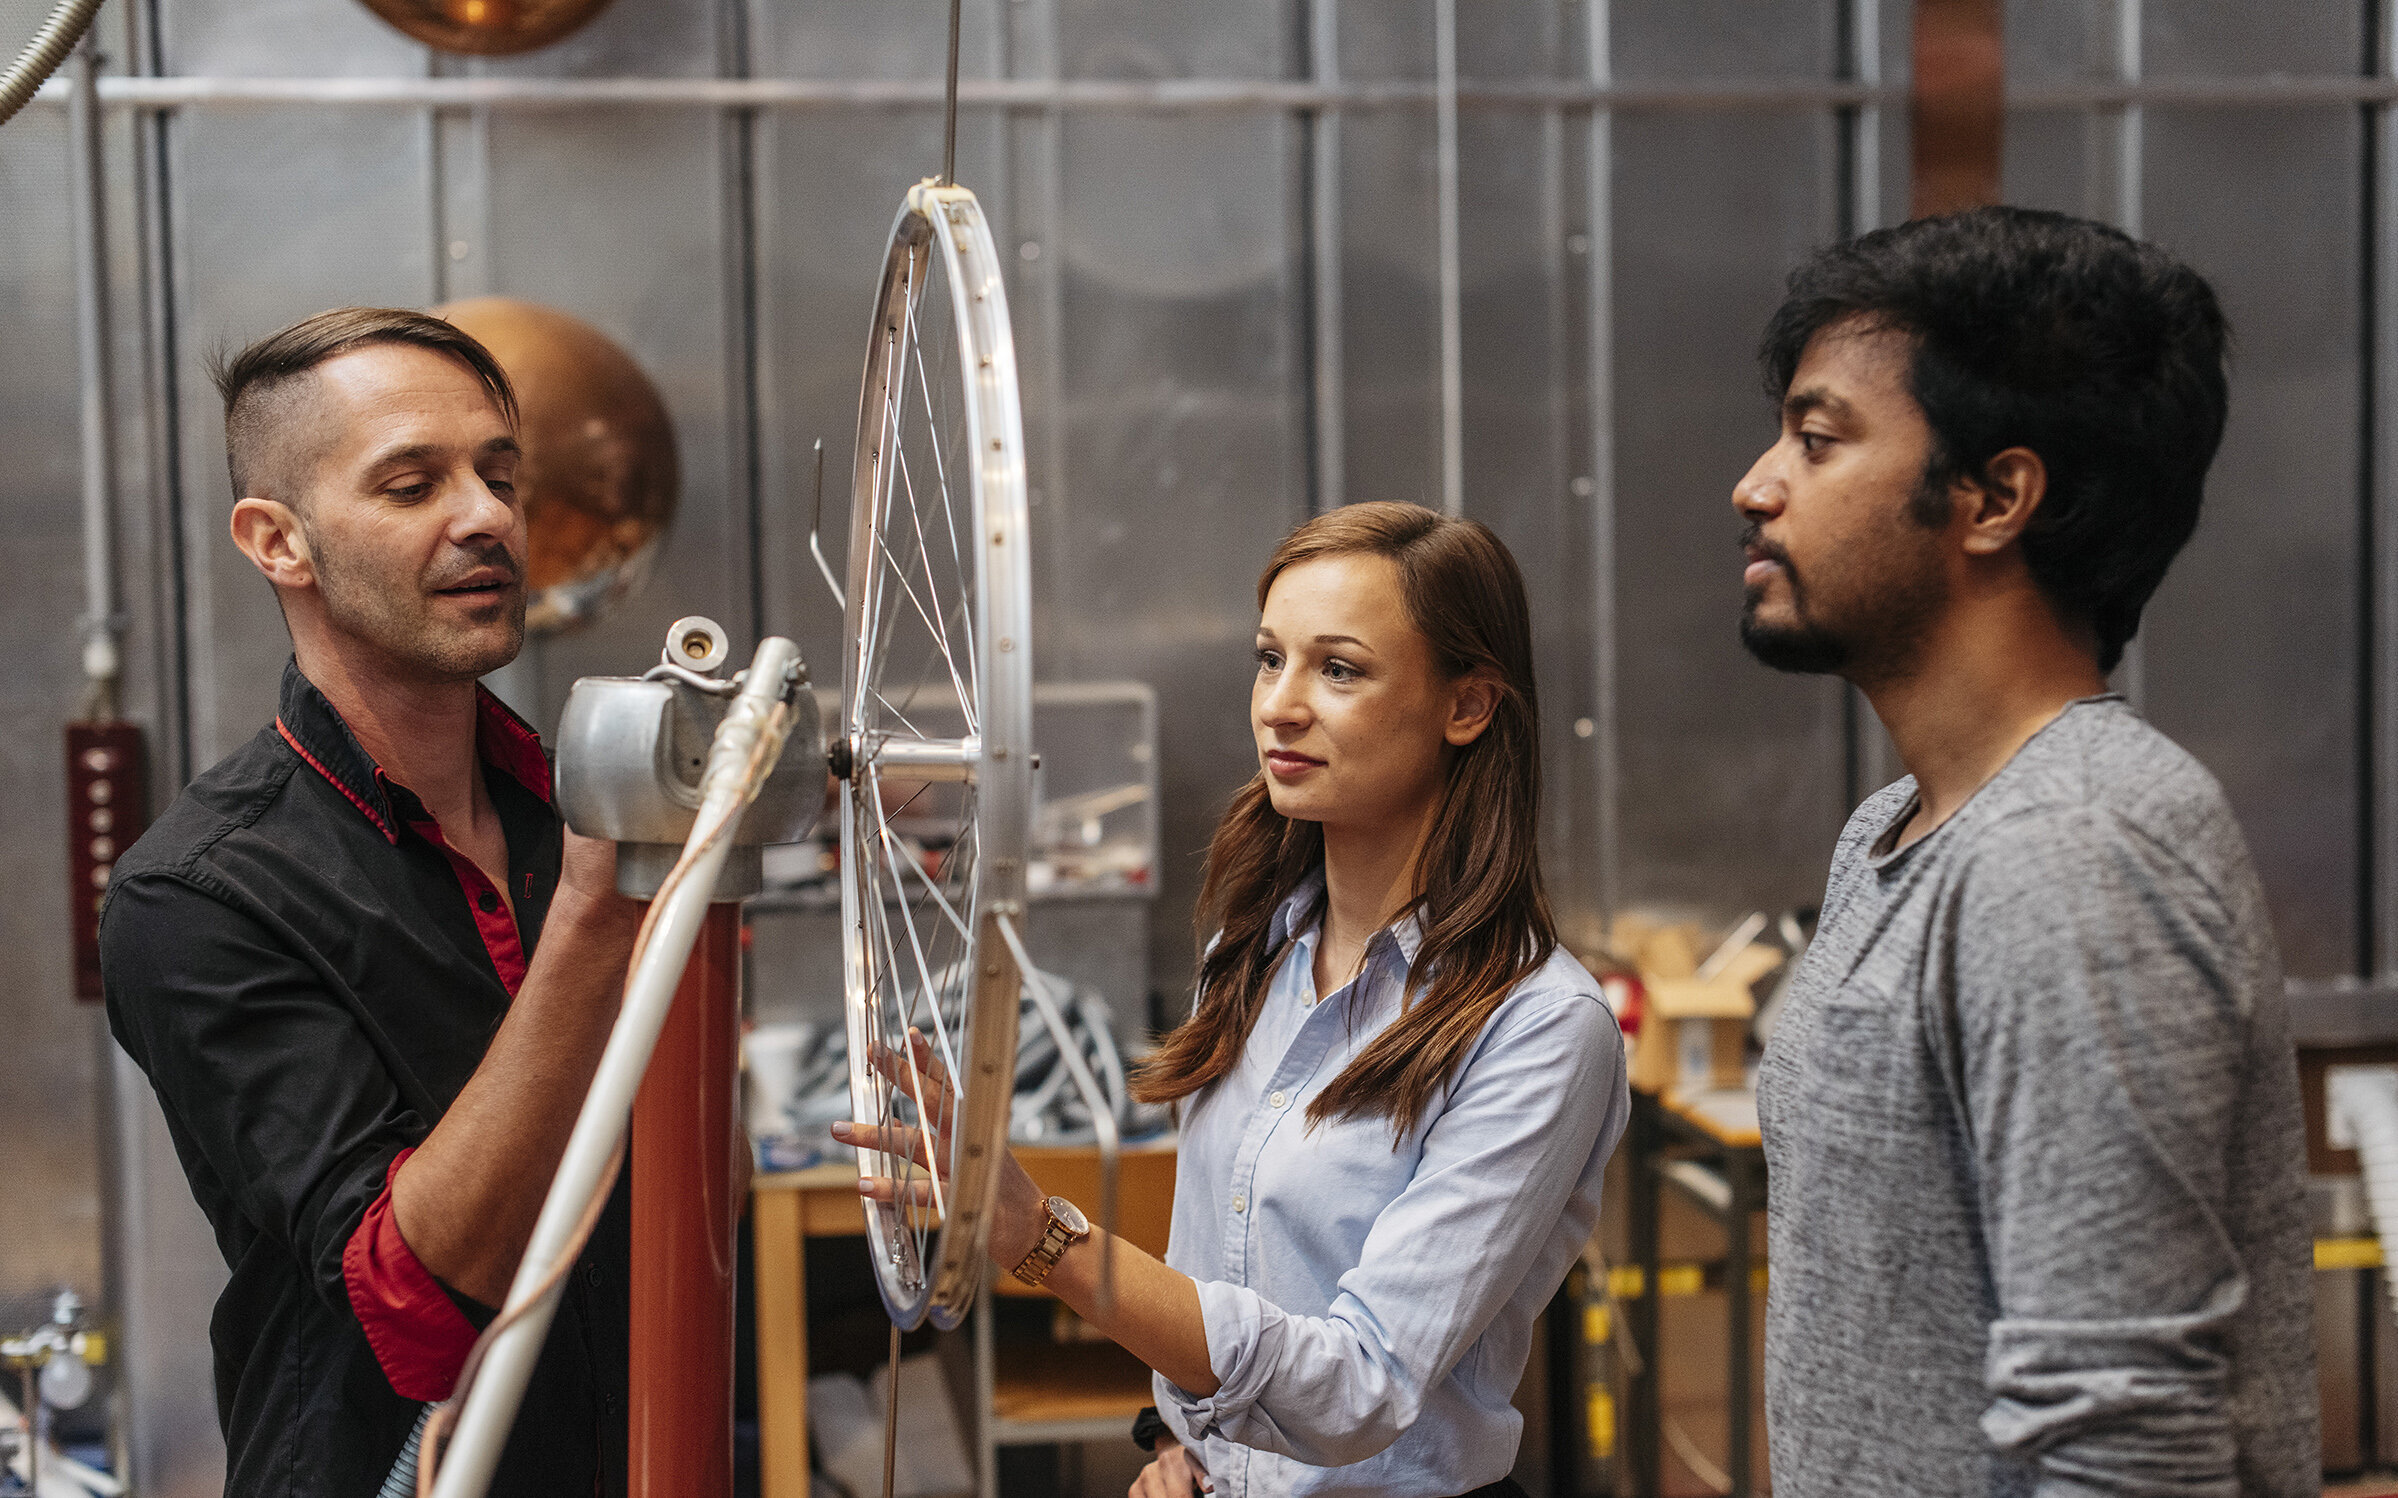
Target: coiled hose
<point x="44" y="53"/>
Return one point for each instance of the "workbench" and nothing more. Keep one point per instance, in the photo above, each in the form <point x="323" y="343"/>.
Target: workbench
<point x="1047" y="1394"/>
<point x="1707" y="1147"/>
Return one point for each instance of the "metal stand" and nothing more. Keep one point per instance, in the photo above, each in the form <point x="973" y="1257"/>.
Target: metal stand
<point x="1726" y="1180"/>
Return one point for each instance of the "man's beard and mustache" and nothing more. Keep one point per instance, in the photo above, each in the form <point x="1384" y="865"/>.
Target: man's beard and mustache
<point x="1800" y="646"/>
<point x="395" y="614"/>
<point x="1877" y="611"/>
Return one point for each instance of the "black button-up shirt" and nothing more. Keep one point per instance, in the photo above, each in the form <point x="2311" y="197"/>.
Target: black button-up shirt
<point x="309" y="973"/>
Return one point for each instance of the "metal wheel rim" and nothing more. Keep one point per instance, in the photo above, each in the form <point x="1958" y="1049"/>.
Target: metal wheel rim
<point x="940" y="238"/>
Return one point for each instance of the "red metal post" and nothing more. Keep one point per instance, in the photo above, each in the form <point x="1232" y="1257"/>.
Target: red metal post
<point x="681" y="1409"/>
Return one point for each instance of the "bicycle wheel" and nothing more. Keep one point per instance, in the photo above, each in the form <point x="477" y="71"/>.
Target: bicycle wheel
<point x="936" y="739"/>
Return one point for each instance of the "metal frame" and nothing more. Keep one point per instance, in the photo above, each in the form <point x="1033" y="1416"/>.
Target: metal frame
<point x="944" y="224"/>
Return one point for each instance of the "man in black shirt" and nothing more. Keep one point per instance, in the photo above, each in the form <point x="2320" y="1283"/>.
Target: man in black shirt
<point x="367" y="970"/>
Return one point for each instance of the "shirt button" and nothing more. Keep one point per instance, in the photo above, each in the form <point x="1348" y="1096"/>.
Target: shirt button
<point x="488" y="902"/>
<point x="591" y="1275"/>
<point x="1240" y="1201"/>
<point x="1275" y="1101"/>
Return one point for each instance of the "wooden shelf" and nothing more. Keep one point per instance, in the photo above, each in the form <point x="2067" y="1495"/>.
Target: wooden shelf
<point x="1047" y="1383"/>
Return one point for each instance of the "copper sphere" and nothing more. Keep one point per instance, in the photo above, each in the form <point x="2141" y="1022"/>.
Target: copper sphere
<point x="487" y="28"/>
<point x="599" y="478"/>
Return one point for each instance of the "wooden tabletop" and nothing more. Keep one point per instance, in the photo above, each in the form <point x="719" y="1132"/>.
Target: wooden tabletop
<point x="1728" y="1116"/>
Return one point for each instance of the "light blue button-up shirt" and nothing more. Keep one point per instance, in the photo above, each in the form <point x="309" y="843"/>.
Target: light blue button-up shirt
<point x="1369" y="1309"/>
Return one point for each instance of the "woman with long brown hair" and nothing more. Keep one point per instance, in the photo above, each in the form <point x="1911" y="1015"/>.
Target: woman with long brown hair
<point x="1398" y="1094"/>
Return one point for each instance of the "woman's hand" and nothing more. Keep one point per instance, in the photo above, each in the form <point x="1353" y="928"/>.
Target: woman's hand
<point x="1172" y="1475"/>
<point x="1018" y="1213"/>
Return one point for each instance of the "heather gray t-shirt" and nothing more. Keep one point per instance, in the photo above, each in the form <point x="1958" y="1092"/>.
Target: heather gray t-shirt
<point x="2035" y="1157"/>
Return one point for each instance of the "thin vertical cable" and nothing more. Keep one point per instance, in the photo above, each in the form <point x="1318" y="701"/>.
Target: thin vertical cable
<point x="1324" y="233"/>
<point x="949" y="118"/>
<point x="1605" y="750"/>
<point x="1452" y="353"/>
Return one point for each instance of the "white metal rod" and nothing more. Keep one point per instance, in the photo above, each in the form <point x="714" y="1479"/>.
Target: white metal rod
<point x="1171" y="95"/>
<point x="101" y="663"/>
<point x="1599" y="165"/>
<point x="1324" y="230"/>
<point x="490" y="1411"/>
<point x="1103" y="1112"/>
<point x="2130" y="151"/>
<point x="1865" y="205"/>
<point x="1167" y="95"/>
<point x="1452" y="354"/>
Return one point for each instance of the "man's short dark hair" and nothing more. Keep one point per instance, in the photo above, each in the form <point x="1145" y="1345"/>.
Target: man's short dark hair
<point x="259" y="382"/>
<point x="2102" y="354"/>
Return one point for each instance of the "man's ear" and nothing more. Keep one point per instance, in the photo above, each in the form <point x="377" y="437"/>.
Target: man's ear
<point x="270" y="535"/>
<point x="2012" y="485"/>
<point x="1470" y="711"/>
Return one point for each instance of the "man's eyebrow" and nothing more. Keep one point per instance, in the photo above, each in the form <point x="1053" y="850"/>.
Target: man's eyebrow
<point x="420" y="452"/>
<point x="1798" y="404"/>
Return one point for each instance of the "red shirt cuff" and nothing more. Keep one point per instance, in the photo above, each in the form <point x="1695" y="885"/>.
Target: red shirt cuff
<point x="419" y="1335"/>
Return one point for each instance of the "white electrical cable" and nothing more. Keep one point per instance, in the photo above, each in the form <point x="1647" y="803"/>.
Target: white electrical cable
<point x="2363" y="1116"/>
<point x="748" y="744"/>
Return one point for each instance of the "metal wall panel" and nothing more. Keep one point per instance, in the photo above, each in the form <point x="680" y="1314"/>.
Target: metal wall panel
<point x="2250" y="654"/>
<point x="1184" y="444"/>
<point x="1731" y="777"/>
<point x="827" y="186"/>
<point x="279" y="213"/>
<point x="651" y="188"/>
<point x="48" y="1068"/>
<point x="2252" y="659"/>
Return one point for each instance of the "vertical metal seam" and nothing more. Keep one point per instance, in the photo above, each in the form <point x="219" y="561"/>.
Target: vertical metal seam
<point x="2130" y="148"/>
<point x="1606" y="748"/>
<point x="1324" y="235"/>
<point x="2378" y="891"/>
<point x="1054" y="494"/>
<point x="1864" y="759"/>
<point x="1452" y="354"/>
<point x="163" y="444"/>
<point x="87" y="175"/>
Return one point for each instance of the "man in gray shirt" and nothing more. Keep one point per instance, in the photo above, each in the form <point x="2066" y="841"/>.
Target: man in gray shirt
<point x="2031" y="1114"/>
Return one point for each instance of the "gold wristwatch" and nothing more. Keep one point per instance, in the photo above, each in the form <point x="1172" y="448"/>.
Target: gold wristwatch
<point x="1067" y="1227"/>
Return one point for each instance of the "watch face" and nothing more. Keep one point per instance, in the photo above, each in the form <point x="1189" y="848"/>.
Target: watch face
<point x="1070" y="1215"/>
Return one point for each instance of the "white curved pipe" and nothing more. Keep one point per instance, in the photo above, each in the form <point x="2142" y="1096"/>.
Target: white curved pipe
<point x="746" y="747"/>
<point x="2363" y="1116"/>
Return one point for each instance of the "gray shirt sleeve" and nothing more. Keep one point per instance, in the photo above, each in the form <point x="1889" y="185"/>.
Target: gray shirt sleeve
<point x="2096" y="1048"/>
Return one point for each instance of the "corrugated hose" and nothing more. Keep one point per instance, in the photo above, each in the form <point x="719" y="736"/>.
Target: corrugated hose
<point x="44" y="53"/>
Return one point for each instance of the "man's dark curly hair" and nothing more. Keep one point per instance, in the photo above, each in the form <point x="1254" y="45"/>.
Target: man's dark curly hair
<point x="2102" y="354"/>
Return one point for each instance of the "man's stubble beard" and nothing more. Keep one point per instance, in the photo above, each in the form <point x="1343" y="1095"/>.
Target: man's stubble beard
<point x="375" y="609"/>
<point x="1873" y="629"/>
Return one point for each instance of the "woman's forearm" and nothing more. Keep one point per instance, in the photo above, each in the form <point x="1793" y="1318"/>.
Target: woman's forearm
<point x="1153" y="1313"/>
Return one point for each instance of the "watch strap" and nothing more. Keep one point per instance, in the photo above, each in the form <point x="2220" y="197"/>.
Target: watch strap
<point x="1055" y="1239"/>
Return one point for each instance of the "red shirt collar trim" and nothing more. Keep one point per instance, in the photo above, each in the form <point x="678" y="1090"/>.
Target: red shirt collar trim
<point x="314" y="729"/>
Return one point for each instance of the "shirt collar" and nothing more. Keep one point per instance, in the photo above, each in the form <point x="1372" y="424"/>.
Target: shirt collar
<point x="312" y="726"/>
<point x="1406" y="933"/>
